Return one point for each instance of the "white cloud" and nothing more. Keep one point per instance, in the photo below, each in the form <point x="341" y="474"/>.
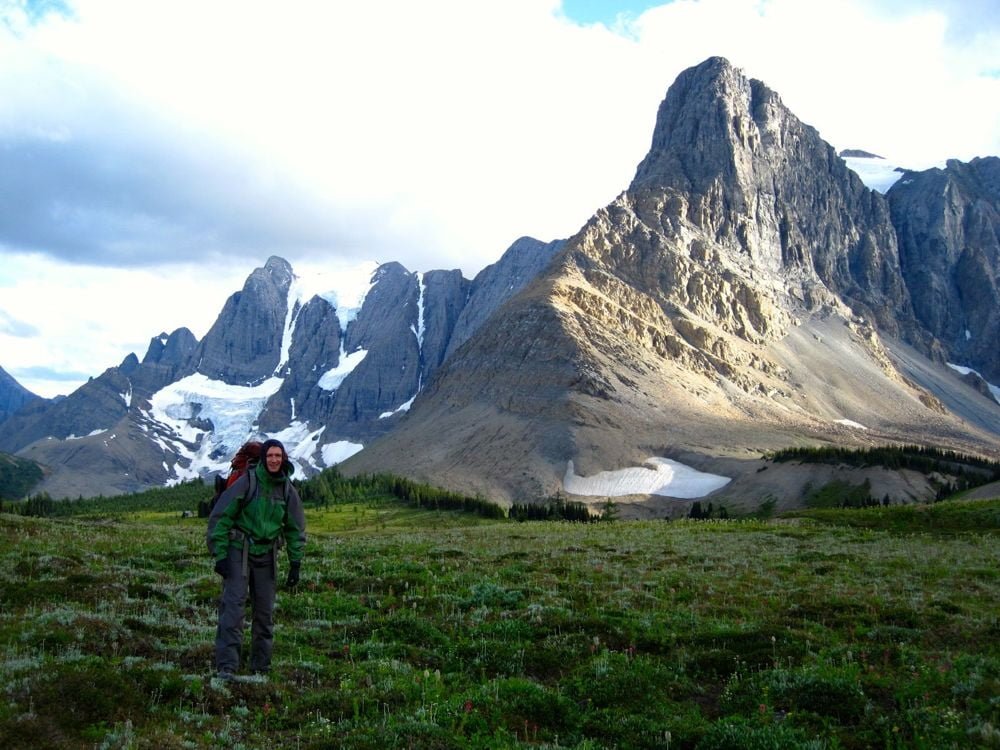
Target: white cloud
<point x="890" y="84"/>
<point x="212" y="135"/>
<point x="86" y="319"/>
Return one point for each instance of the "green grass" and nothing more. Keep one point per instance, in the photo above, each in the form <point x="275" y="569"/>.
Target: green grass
<point x="950" y="516"/>
<point x="834" y="629"/>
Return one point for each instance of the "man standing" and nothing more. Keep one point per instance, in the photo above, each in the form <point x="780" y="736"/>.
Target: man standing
<point x="248" y="525"/>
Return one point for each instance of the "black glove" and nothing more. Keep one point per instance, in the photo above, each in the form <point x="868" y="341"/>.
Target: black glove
<point x="222" y="567"/>
<point x="293" y="574"/>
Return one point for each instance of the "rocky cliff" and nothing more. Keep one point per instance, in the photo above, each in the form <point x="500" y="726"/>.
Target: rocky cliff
<point x="948" y="223"/>
<point x="275" y="362"/>
<point x="243" y="347"/>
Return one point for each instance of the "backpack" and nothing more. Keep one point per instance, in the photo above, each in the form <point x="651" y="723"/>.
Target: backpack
<point x="245" y="459"/>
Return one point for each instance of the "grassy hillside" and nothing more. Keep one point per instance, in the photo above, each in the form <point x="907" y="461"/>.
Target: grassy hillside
<point x="432" y="629"/>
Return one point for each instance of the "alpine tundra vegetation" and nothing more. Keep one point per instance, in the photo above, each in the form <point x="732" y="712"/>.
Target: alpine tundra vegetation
<point x="422" y="628"/>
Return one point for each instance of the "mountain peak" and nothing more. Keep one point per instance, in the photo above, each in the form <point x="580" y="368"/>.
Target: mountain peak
<point x="711" y="113"/>
<point x="13" y="395"/>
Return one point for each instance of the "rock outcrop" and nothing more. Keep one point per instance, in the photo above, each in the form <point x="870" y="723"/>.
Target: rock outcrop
<point x="243" y="347"/>
<point x="948" y="223"/>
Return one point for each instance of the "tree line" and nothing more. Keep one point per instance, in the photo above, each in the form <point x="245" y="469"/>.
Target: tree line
<point x="327" y="488"/>
<point x="976" y="470"/>
<point x="330" y="487"/>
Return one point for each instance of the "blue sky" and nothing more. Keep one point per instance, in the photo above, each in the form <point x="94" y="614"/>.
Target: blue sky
<point x="603" y="11"/>
<point x="153" y="153"/>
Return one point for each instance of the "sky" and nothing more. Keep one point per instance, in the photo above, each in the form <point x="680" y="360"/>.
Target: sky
<point x="154" y="152"/>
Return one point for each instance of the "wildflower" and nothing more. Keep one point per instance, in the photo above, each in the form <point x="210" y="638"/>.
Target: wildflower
<point x="467" y="707"/>
<point x="267" y="709"/>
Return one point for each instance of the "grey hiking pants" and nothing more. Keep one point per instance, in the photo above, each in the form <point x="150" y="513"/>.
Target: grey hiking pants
<point x="259" y="581"/>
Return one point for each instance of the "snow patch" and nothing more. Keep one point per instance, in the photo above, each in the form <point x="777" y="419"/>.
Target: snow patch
<point x="850" y="423"/>
<point x="344" y="288"/>
<point x="331" y="379"/>
<point x="232" y="410"/>
<point x="419" y="330"/>
<point x="657" y="476"/>
<point x="89" y="434"/>
<point x="334" y="453"/>
<point x="402" y="407"/>
<point x="291" y="316"/>
<point x="995" y="390"/>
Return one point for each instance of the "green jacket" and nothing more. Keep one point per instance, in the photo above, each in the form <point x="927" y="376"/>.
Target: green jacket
<point x="274" y="511"/>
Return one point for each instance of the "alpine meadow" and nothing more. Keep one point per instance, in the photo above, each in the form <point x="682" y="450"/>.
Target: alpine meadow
<point x="422" y="627"/>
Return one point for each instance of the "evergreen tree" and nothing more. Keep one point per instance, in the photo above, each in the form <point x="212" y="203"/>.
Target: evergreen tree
<point x="609" y="511"/>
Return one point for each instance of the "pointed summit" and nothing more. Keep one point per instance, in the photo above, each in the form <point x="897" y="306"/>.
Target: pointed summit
<point x="700" y="125"/>
<point x="732" y="166"/>
<point x="244" y="345"/>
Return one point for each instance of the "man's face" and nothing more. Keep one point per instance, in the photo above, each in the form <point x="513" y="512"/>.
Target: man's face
<point x="274" y="459"/>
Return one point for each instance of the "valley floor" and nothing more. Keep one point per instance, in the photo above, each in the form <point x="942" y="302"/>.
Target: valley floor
<point x="434" y="631"/>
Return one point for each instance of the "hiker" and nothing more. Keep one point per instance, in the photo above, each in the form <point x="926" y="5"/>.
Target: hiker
<point x="253" y="517"/>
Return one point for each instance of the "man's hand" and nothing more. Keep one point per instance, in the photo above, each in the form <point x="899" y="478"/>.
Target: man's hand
<point x="293" y="574"/>
<point x="222" y="567"/>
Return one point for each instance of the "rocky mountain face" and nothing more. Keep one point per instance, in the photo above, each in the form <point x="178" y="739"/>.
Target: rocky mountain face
<point x="739" y="180"/>
<point x="244" y="345"/>
<point x="276" y="362"/>
<point x="948" y="224"/>
<point x="745" y="293"/>
<point x="13" y="395"/>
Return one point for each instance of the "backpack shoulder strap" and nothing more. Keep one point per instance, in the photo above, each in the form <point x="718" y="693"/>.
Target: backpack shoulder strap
<point x="251" y="490"/>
